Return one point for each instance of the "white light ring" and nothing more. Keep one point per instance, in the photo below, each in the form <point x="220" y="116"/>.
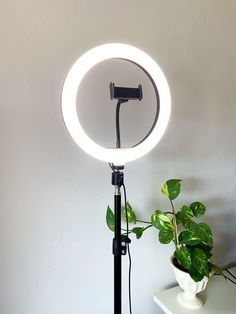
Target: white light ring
<point x="117" y="156"/>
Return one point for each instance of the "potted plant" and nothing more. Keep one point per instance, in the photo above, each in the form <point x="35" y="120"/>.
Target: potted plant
<point x="192" y="241"/>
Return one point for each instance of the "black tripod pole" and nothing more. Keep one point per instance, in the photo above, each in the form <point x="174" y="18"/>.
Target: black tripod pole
<point x="119" y="242"/>
<point x="117" y="256"/>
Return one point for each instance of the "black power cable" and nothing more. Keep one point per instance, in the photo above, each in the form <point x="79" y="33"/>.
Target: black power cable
<point x="229" y="272"/>
<point x="226" y="277"/>
<point x="230" y="280"/>
<point x="130" y="260"/>
<point x="232" y="275"/>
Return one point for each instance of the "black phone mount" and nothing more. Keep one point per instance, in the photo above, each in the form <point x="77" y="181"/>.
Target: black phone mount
<point x="126" y="93"/>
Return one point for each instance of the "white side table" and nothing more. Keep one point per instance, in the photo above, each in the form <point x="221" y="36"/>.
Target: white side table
<point x="219" y="298"/>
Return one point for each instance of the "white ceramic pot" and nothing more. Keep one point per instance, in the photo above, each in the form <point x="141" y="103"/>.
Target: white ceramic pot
<point x="188" y="297"/>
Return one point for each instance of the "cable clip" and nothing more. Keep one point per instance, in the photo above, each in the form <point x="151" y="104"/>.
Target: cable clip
<point x="120" y="246"/>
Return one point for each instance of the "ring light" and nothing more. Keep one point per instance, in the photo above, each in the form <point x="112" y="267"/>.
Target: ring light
<point x="117" y="156"/>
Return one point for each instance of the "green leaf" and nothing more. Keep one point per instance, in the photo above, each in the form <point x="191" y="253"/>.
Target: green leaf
<point x="208" y="253"/>
<point x="202" y="231"/>
<point x="171" y="188"/>
<point x="165" y="236"/>
<point x="183" y="256"/>
<point x="179" y="217"/>
<point x="187" y="223"/>
<point x="200" y="261"/>
<point x="206" y="248"/>
<point x="198" y="209"/>
<point x="187" y="237"/>
<point x="138" y="231"/>
<point x="195" y="275"/>
<point x="186" y="212"/>
<point x="110" y="219"/>
<point x="161" y="221"/>
<point x="130" y="213"/>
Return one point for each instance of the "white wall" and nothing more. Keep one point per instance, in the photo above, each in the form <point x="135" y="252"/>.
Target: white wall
<point x="54" y="246"/>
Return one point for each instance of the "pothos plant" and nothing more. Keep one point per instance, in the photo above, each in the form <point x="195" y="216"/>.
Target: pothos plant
<point x="192" y="240"/>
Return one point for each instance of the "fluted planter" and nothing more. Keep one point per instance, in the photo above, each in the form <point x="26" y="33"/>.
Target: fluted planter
<point x="188" y="297"/>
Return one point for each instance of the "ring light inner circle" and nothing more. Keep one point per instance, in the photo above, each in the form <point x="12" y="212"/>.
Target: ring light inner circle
<point x="97" y="111"/>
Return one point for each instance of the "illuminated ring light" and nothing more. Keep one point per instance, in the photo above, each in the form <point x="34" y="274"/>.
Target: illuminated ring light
<point x="117" y="156"/>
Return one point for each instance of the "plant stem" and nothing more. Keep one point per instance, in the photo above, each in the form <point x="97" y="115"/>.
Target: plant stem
<point x="143" y="221"/>
<point x="126" y="230"/>
<point x="175" y="226"/>
<point x="147" y="227"/>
